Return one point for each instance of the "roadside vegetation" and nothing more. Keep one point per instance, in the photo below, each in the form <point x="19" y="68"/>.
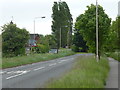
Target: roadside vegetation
<point x="115" y="55"/>
<point x="86" y="73"/>
<point x="33" y="58"/>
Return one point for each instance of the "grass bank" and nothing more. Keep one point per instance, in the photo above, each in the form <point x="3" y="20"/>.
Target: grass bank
<point x="33" y="58"/>
<point x="115" y="55"/>
<point x="87" y="73"/>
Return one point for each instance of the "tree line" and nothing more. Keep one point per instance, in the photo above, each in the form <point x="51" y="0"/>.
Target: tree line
<point x="80" y="39"/>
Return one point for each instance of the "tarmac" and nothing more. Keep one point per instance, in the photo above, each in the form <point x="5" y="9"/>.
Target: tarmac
<point x="113" y="77"/>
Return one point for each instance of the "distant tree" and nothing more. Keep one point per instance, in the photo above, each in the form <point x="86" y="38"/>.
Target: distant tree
<point x="87" y="27"/>
<point x="48" y="40"/>
<point x="51" y="41"/>
<point x="113" y="42"/>
<point x="79" y="42"/>
<point x="118" y="20"/>
<point x="14" y="40"/>
<point x="62" y="23"/>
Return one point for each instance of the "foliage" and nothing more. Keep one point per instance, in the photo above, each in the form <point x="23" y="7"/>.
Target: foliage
<point x="14" y="40"/>
<point x="79" y="42"/>
<point x="86" y="73"/>
<point x="48" y="40"/>
<point x="62" y="23"/>
<point x="114" y="37"/>
<point x="75" y="48"/>
<point x="41" y="48"/>
<point x="115" y="55"/>
<point x="86" y="25"/>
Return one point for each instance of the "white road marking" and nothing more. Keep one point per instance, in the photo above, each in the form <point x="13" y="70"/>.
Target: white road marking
<point x="52" y="64"/>
<point x="65" y="60"/>
<point x="60" y="62"/>
<point x="2" y="72"/>
<point x="39" y="68"/>
<point x="10" y="72"/>
<point x="24" y="72"/>
<point x="16" y="71"/>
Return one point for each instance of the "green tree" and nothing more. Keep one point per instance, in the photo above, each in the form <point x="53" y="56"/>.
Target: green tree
<point x="113" y="43"/>
<point x="14" y="40"/>
<point x="118" y="30"/>
<point x="87" y="27"/>
<point x="62" y="23"/>
<point x="79" y="42"/>
<point x="51" y="41"/>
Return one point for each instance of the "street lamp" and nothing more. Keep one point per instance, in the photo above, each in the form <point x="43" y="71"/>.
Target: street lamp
<point x="97" y="55"/>
<point x="34" y="24"/>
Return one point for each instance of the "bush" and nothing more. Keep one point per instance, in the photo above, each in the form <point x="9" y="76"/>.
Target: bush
<point x="14" y="40"/>
<point x="40" y="48"/>
<point x="75" y="48"/>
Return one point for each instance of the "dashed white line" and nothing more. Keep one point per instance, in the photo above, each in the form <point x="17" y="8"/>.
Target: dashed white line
<point x="52" y="64"/>
<point x="38" y="68"/>
<point x="18" y="74"/>
<point x="2" y="72"/>
<point x="60" y="62"/>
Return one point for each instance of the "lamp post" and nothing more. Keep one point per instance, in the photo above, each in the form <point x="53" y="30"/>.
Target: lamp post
<point x="34" y="24"/>
<point x="97" y="55"/>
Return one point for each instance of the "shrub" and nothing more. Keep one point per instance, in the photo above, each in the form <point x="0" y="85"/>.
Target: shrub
<point x="75" y="48"/>
<point x="40" y="48"/>
<point x="14" y="40"/>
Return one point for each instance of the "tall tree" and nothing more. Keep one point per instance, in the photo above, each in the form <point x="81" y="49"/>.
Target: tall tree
<point x="87" y="27"/>
<point x="62" y="23"/>
<point x="14" y="40"/>
<point x="113" y="42"/>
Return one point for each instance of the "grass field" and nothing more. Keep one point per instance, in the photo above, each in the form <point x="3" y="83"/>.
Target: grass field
<point x="115" y="55"/>
<point x="87" y="73"/>
<point x="33" y="58"/>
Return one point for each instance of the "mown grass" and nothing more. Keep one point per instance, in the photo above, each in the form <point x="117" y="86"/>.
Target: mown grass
<point x="115" y="55"/>
<point x="33" y="58"/>
<point x="87" y="73"/>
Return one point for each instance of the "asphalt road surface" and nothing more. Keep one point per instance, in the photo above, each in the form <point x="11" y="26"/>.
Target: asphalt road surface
<point x="37" y="74"/>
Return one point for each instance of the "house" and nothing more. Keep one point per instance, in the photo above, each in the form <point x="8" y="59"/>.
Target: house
<point x="33" y="40"/>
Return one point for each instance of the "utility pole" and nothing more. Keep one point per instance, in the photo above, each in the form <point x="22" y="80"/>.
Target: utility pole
<point x="60" y="29"/>
<point x="60" y="37"/>
<point x="97" y="54"/>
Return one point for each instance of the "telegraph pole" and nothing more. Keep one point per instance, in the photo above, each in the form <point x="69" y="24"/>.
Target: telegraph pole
<point x="97" y="54"/>
<point x="60" y="31"/>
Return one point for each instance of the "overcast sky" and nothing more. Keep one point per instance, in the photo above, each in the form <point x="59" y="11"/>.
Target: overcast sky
<point x="24" y="12"/>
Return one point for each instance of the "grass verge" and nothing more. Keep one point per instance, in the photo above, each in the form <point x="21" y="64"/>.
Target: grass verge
<point x="87" y="73"/>
<point x="33" y="58"/>
<point x="115" y="55"/>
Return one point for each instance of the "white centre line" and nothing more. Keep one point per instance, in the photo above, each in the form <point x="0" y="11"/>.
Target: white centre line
<point x="52" y="64"/>
<point x="18" y="74"/>
<point x="60" y="62"/>
<point x="38" y="68"/>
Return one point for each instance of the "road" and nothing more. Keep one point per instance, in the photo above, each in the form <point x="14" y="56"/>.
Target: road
<point x="37" y="74"/>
